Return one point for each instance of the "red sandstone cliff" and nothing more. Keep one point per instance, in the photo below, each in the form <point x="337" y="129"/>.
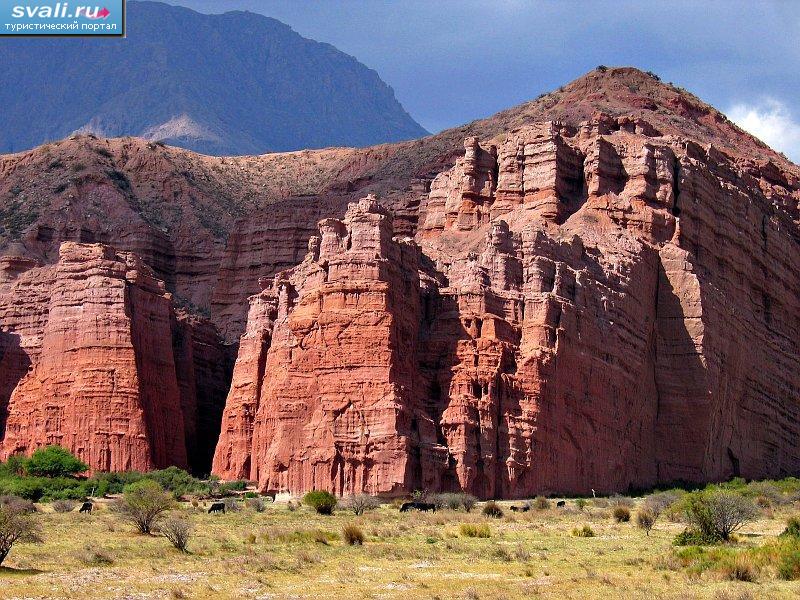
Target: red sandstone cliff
<point x="88" y="363"/>
<point x="602" y="292"/>
<point x="598" y="306"/>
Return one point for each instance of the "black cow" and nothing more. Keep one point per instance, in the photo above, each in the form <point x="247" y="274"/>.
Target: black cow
<point x="561" y="503"/>
<point x="423" y="506"/>
<point x="515" y="508"/>
<point x="217" y="507"/>
<point x="524" y="508"/>
<point x="86" y="508"/>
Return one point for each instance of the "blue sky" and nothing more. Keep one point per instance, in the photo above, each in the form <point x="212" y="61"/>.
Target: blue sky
<point x="450" y="62"/>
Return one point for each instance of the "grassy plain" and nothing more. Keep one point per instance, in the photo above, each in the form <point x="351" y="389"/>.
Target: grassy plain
<point x="284" y="554"/>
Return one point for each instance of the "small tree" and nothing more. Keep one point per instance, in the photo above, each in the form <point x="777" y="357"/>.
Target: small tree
<point x="645" y="519"/>
<point x="54" y="461"/>
<point x="16" y="525"/>
<point x="652" y="507"/>
<point x="177" y="530"/>
<point x="322" y="502"/>
<point x="360" y="503"/>
<point x="718" y="513"/>
<point x="143" y="503"/>
<point x="468" y="501"/>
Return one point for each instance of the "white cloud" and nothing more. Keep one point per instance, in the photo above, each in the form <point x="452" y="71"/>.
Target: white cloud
<point x="771" y="121"/>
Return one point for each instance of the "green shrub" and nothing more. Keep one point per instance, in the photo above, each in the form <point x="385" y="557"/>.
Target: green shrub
<point x="581" y="503"/>
<point x="622" y="514"/>
<point x="584" y="531"/>
<point x="695" y="537"/>
<point x="789" y="564"/>
<point x="717" y="513"/>
<point x="792" y="528"/>
<point x="15" y="465"/>
<point x="54" y="461"/>
<point x="475" y="530"/>
<point x="353" y="535"/>
<point x="541" y="503"/>
<point x="492" y="509"/>
<point x="238" y="485"/>
<point x="321" y="501"/>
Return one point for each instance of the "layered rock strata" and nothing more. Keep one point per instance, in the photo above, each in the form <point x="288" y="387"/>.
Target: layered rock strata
<point x="88" y="363"/>
<point x="576" y="316"/>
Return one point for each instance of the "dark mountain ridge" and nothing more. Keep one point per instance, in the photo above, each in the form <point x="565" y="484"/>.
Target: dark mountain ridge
<point x="235" y="83"/>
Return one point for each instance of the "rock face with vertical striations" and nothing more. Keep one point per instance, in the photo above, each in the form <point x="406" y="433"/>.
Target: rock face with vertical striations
<point x="589" y="305"/>
<point x="595" y="290"/>
<point x="324" y="394"/>
<point x="102" y="377"/>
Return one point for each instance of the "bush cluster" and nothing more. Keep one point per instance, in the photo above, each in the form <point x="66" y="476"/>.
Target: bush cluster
<point x="322" y="502"/>
<point x="622" y="514"/>
<point x="361" y="503"/>
<point x="51" y="474"/>
<point x="492" y="509"/>
<point x="455" y="501"/>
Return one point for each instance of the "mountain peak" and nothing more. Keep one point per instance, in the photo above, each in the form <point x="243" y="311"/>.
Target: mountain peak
<point x="232" y="83"/>
<point x="628" y="91"/>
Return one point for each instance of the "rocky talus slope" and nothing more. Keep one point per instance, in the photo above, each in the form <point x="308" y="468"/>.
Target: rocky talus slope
<point x="598" y="289"/>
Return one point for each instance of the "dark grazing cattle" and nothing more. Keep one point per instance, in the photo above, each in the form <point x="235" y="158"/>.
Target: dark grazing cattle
<point x="86" y="508"/>
<point x="217" y="507"/>
<point x="523" y="508"/>
<point x="561" y="503"/>
<point x="423" y="506"/>
<point x="515" y="508"/>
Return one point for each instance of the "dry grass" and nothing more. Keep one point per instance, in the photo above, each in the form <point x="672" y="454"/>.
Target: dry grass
<point x="281" y="554"/>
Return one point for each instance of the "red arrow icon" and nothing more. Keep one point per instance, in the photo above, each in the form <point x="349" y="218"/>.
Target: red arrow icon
<point x="103" y="14"/>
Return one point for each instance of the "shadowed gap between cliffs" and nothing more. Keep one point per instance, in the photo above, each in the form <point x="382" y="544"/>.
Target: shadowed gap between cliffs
<point x="14" y="364"/>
